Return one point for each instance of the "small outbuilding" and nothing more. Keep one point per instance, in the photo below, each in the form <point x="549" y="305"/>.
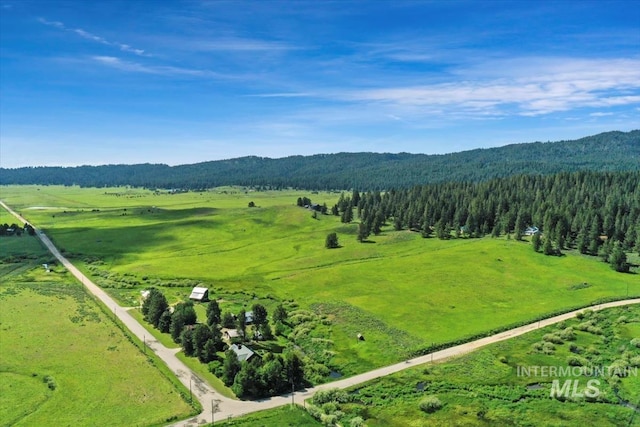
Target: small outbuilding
<point x="231" y="334"/>
<point x="248" y="317"/>
<point x="199" y="294"/>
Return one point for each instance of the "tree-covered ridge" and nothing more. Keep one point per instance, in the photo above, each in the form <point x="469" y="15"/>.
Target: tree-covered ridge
<point x="590" y="211"/>
<point x="611" y="151"/>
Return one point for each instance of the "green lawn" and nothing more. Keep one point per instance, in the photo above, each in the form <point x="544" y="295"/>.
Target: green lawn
<point x="63" y="361"/>
<point x="402" y="292"/>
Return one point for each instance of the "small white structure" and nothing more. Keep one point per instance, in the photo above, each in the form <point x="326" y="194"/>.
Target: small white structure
<point x="248" y="317"/>
<point x="530" y="231"/>
<point x="199" y="294"/>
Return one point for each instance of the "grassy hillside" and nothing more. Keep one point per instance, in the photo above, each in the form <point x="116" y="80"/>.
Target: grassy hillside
<point x="403" y="292"/>
<point x="611" y="151"/>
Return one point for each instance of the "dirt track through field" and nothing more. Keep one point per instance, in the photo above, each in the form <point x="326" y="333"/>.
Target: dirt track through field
<point x="227" y="407"/>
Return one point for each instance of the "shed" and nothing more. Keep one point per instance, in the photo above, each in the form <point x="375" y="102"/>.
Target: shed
<point x="233" y="333"/>
<point x="199" y="294"/>
<point x="248" y="317"/>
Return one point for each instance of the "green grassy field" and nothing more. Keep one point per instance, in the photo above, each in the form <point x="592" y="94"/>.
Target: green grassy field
<point x="402" y="292"/>
<point x="285" y="416"/>
<point x="484" y="388"/>
<point x="62" y="361"/>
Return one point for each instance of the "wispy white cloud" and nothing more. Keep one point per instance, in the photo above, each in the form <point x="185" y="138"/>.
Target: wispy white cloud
<point x="283" y="95"/>
<point x="130" y="66"/>
<point x="94" y="38"/>
<point x="545" y="87"/>
<point x="237" y="44"/>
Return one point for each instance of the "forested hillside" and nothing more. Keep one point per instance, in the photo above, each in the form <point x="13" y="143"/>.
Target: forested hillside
<point x="611" y="151"/>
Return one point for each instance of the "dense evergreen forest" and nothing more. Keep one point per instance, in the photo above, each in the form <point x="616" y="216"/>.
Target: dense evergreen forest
<point x="596" y="212"/>
<point x="611" y="151"/>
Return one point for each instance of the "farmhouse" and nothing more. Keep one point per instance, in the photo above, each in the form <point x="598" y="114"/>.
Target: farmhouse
<point x="242" y="351"/>
<point x="199" y="294"/>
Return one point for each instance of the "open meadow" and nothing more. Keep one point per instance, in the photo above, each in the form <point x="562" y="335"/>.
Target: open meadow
<point x="497" y="385"/>
<point x="402" y="292"/>
<point x="62" y="359"/>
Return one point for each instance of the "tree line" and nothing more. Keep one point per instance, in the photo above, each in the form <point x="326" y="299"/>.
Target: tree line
<point x="15" y="229"/>
<point x="597" y="213"/>
<point x="611" y="151"/>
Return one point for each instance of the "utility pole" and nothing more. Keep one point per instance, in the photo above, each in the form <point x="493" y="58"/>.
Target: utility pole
<point x="215" y="406"/>
<point x="292" y="388"/>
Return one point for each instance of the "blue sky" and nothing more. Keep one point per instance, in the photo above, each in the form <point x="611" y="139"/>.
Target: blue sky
<point x="88" y="82"/>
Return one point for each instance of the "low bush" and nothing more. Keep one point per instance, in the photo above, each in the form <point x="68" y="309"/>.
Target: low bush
<point x="430" y="404"/>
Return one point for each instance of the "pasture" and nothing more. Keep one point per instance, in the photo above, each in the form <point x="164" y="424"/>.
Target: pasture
<point x="62" y="360"/>
<point x="486" y="388"/>
<point x="285" y="416"/>
<point x="403" y="292"/>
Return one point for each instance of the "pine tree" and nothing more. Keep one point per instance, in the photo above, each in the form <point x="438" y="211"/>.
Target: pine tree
<point x="164" y="323"/>
<point x="363" y="232"/>
<point x="518" y="227"/>
<point x="618" y="259"/>
<point x="547" y="247"/>
<point x="260" y="315"/>
<point x="280" y="314"/>
<point x="177" y="325"/>
<point x="347" y="214"/>
<point x="213" y="313"/>
<point x="241" y="322"/>
<point x="157" y="305"/>
<point x="331" y="242"/>
<point x="230" y="367"/>
<point x="536" y="242"/>
<point x="186" y="339"/>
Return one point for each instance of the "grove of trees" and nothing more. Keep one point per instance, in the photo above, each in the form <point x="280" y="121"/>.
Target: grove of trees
<point x="259" y="376"/>
<point x="597" y="213"/>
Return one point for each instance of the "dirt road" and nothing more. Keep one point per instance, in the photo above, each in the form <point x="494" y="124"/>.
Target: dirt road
<point x="226" y="407"/>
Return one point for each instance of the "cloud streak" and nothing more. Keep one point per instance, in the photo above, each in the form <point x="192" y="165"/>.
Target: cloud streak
<point x="165" y="70"/>
<point x="544" y="88"/>
<point x="92" y="37"/>
<point x="236" y="44"/>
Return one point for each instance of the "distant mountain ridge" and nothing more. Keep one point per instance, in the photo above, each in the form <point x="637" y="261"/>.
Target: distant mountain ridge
<point x="610" y="151"/>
